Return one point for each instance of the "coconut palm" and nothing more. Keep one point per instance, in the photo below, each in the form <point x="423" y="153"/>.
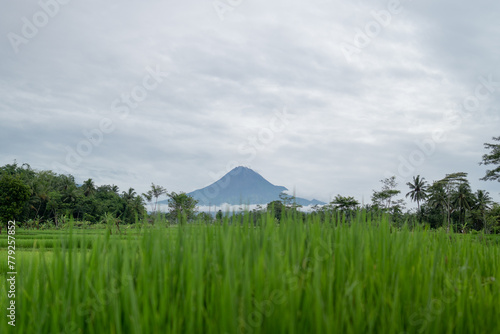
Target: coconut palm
<point x="88" y="188"/>
<point x="149" y="198"/>
<point x="129" y="195"/>
<point x="157" y="191"/>
<point x="437" y="197"/>
<point x="481" y="205"/>
<point x="418" y="190"/>
<point x="115" y="189"/>
<point x="450" y="184"/>
<point x="483" y="201"/>
<point x="462" y="200"/>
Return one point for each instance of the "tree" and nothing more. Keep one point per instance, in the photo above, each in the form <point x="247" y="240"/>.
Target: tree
<point x="277" y="208"/>
<point x="137" y="209"/>
<point x="14" y="195"/>
<point x="437" y="201"/>
<point x="129" y="195"/>
<point x="204" y="217"/>
<point x="418" y="190"/>
<point x="493" y="219"/>
<point x="289" y="201"/>
<point x="114" y="188"/>
<point x="88" y="188"/>
<point x="286" y="199"/>
<point x="134" y="206"/>
<point x="182" y="206"/>
<point x="384" y="199"/>
<point x="40" y="195"/>
<point x="219" y="216"/>
<point x="156" y="191"/>
<point x="345" y="203"/>
<point x="493" y="158"/>
<point x="463" y="200"/>
<point x="149" y="198"/>
<point x="482" y="203"/>
<point x="450" y="184"/>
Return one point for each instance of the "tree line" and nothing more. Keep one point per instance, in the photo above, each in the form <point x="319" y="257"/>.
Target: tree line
<point x="449" y="202"/>
<point x="44" y="198"/>
<point x="47" y="198"/>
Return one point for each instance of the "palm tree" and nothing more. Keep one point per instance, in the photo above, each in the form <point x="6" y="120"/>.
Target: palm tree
<point x="450" y="184"/>
<point x="157" y="192"/>
<point x="437" y="197"/>
<point x="462" y="200"/>
<point x="129" y="195"/>
<point x="149" y="198"/>
<point x="88" y="187"/>
<point x="131" y="204"/>
<point x="115" y="189"/>
<point x="482" y="204"/>
<point x="39" y="197"/>
<point x="70" y="195"/>
<point x="483" y="200"/>
<point x="418" y="190"/>
<point x="65" y="182"/>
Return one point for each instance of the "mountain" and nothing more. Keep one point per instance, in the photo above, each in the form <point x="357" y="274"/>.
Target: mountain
<point x="242" y="186"/>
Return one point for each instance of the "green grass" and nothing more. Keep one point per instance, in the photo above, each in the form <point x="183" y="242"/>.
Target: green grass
<point x="289" y="278"/>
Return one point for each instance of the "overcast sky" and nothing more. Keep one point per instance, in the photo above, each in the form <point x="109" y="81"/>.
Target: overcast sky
<point x="323" y="97"/>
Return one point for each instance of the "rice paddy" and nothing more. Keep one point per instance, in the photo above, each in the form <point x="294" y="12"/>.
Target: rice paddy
<point x="238" y="276"/>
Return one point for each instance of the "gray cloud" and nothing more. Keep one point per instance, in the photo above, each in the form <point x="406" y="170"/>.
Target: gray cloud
<point x="350" y="122"/>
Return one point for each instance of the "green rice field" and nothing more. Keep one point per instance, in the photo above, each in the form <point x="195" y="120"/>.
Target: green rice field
<point x="253" y="277"/>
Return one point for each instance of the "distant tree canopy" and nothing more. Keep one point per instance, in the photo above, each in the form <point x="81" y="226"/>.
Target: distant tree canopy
<point x="46" y="197"/>
<point x="289" y="201"/>
<point x="344" y="203"/>
<point x="54" y="197"/>
<point x="14" y="195"/>
<point x="276" y="207"/>
<point x="181" y="206"/>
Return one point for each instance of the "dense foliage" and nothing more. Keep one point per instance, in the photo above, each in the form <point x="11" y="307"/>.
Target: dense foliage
<point x="53" y="198"/>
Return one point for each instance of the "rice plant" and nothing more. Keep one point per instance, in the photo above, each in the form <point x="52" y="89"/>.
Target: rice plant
<point x="254" y="275"/>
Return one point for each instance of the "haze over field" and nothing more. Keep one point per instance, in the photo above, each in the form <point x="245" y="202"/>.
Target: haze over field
<point x="321" y="97"/>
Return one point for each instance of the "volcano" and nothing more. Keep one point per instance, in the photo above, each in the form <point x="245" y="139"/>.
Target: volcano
<point x="242" y="186"/>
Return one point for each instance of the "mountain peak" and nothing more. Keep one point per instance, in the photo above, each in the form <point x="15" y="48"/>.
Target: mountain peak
<point x="241" y="185"/>
<point x="240" y="169"/>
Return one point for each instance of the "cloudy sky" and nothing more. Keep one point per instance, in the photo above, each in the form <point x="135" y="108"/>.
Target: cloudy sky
<point x="323" y="97"/>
